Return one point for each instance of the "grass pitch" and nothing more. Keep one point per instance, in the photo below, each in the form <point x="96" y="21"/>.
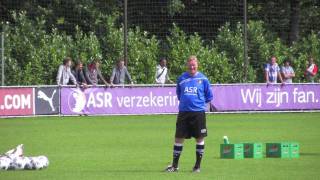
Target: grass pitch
<point x="140" y="147"/>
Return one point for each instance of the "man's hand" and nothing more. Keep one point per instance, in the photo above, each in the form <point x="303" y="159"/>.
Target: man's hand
<point x="107" y="85"/>
<point x="268" y="83"/>
<point x="84" y="85"/>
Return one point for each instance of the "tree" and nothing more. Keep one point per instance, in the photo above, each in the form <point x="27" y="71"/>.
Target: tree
<point x="291" y="20"/>
<point x="63" y="14"/>
<point x="294" y="21"/>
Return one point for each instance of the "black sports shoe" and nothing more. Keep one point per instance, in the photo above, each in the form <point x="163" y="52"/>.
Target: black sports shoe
<point x="171" y="169"/>
<point x="196" y="170"/>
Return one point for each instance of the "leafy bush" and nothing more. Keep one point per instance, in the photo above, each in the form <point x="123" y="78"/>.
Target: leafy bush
<point x="22" y="41"/>
<point x="262" y="45"/>
<point x="143" y="51"/>
<point x="33" y="53"/>
<point x="308" y="46"/>
<point x="231" y="43"/>
<point x="211" y="62"/>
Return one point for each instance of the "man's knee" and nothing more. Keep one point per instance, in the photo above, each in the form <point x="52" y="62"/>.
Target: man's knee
<point x="200" y="140"/>
<point x="179" y="140"/>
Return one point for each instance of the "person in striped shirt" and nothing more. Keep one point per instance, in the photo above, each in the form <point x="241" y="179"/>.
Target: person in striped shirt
<point x="272" y="71"/>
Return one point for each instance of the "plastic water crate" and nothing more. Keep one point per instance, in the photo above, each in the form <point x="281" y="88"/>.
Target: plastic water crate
<point x="278" y="150"/>
<point x="231" y="151"/>
<point x="294" y="150"/>
<point x="253" y="150"/>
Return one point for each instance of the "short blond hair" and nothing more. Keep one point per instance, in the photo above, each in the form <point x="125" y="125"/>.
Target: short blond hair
<point x="192" y="58"/>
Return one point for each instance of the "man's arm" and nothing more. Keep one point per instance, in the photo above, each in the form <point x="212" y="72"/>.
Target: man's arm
<point x="82" y="77"/>
<point x="178" y="89"/>
<point x="292" y="73"/>
<point x="74" y="73"/>
<point x="315" y="70"/>
<point x="59" y="74"/>
<point x="266" y="76"/>
<point x="280" y="77"/>
<point x="128" y="76"/>
<point x="266" y="73"/>
<point x="283" y="74"/>
<point x="208" y="91"/>
<point x="156" y="75"/>
<point x="101" y="77"/>
<point x="167" y="77"/>
<point x="86" y="75"/>
<point x="113" y="75"/>
<point x="73" y="79"/>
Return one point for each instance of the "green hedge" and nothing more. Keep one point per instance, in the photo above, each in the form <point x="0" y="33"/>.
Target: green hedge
<point x="33" y="53"/>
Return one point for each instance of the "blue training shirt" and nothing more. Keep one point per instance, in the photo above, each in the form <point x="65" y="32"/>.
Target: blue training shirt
<point x="193" y="92"/>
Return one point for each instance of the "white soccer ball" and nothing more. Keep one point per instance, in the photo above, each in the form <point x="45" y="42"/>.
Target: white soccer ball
<point x="14" y="160"/>
<point x="4" y="163"/>
<point x="44" y="160"/>
<point x="19" y="163"/>
<point x="40" y="162"/>
<point x="29" y="164"/>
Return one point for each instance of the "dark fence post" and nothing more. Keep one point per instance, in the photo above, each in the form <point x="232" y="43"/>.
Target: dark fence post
<point x="245" y="41"/>
<point x="2" y="59"/>
<point x="125" y="33"/>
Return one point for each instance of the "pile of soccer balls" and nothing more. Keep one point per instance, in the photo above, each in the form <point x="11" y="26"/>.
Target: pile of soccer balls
<point x="15" y="160"/>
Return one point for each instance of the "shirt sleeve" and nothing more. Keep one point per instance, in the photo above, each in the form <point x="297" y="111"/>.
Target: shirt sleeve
<point x="266" y="67"/>
<point x="74" y="73"/>
<point x="128" y="76"/>
<point x="112" y="75"/>
<point x="59" y="75"/>
<point x="167" y="76"/>
<point x="282" y="69"/>
<point x="156" y="75"/>
<point x="208" y="91"/>
<point x="73" y="79"/>
<point x="86" y="74"/>
<point x="100" y="76"/>
<point x="82" y="77"/>
<point x="291" y="70"/>
<point x="315" y="69"/>
<point x="178" y="92"/>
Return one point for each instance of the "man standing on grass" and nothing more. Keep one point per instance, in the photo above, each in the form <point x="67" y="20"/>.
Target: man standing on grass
<point x="193" y="92"/>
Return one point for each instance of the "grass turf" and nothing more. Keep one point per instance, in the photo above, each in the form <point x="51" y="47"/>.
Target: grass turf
<point x="140" y="147"/>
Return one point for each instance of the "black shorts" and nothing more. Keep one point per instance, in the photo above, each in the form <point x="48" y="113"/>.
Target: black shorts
<point x="191" y="124"/>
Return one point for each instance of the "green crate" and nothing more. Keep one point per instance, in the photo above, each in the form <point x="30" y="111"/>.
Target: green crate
<point x="294" y="150"/>
<point x="252" y="150"/>
<point x="278" y="150"/>
<point x="231" y="151"/>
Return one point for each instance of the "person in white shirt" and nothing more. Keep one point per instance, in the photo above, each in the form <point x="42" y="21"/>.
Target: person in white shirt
<point x="287" y="71"/>
<point x="162" y="75"/>
<point x="64" y="73"/>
